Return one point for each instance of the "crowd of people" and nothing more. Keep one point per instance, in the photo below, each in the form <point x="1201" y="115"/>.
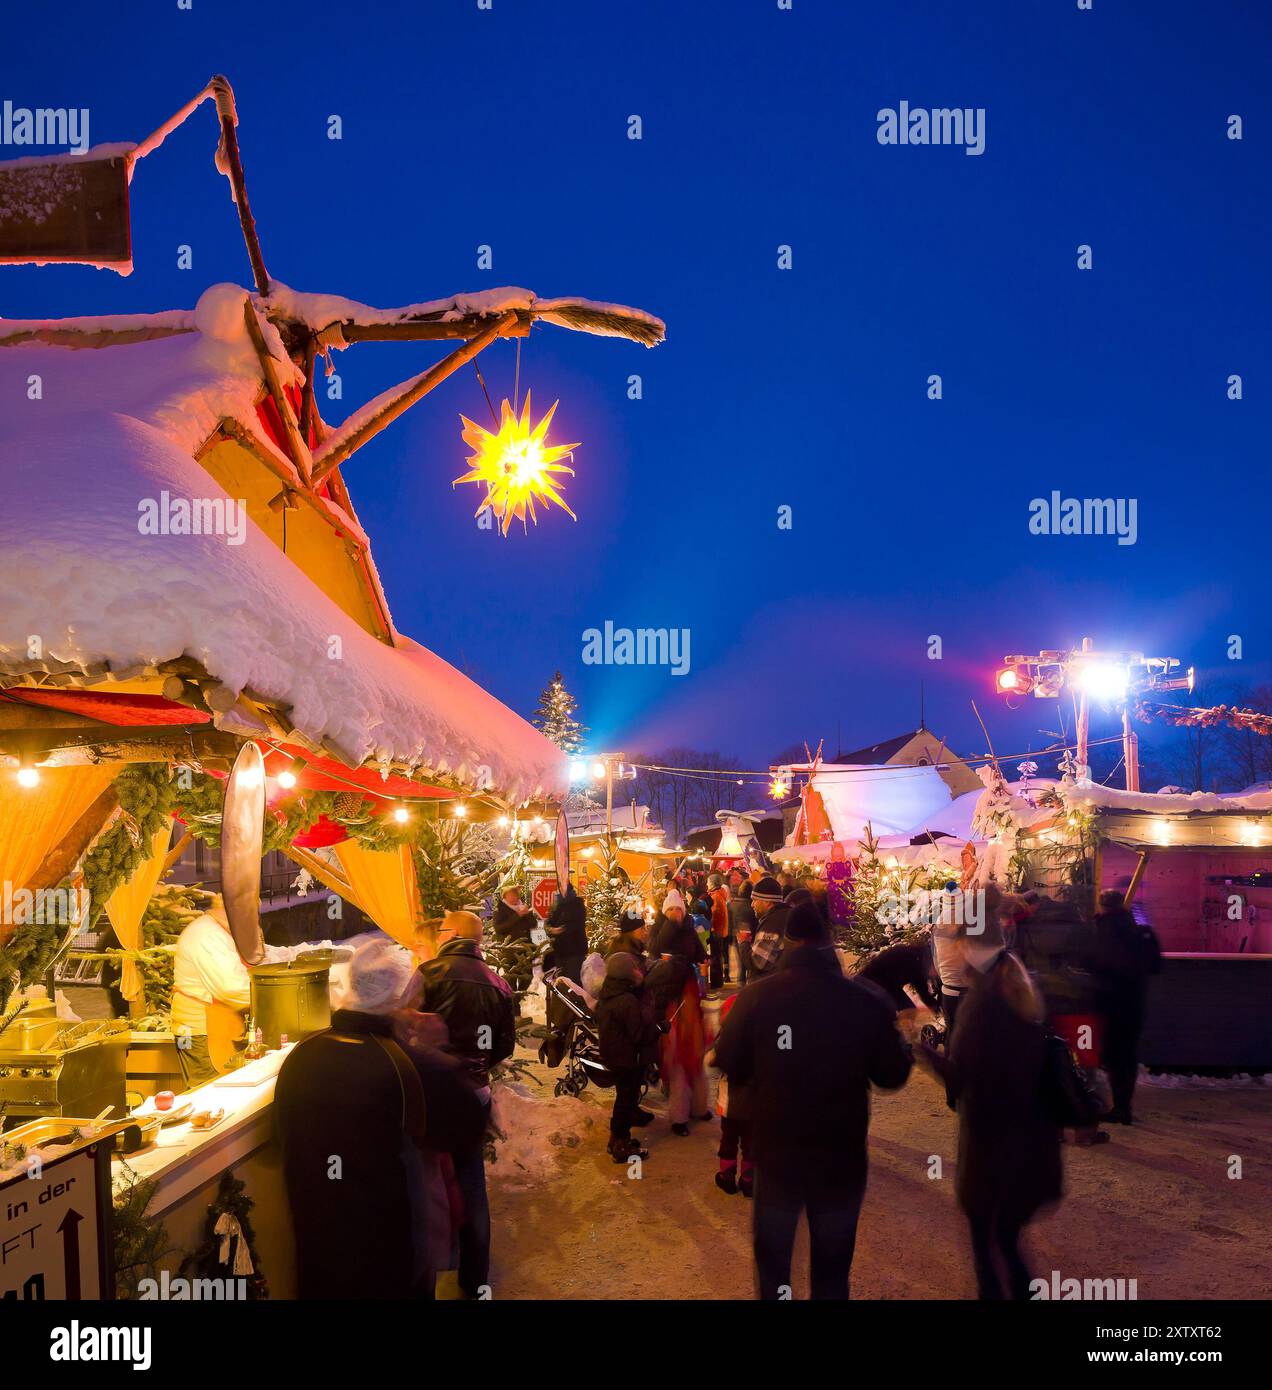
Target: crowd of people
<point x="405" y="1070"/>
<point x="1023" y="1001"/>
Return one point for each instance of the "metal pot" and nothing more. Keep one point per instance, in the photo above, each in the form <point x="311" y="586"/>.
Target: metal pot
<point x="290" y="997"/>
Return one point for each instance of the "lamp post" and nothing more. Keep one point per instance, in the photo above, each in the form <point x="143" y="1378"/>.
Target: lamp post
<point x="604" y="765"/>
<point x="1113" y="677"/>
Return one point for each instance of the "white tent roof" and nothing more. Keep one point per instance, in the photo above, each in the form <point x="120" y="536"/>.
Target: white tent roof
<point x="890" y="799"/>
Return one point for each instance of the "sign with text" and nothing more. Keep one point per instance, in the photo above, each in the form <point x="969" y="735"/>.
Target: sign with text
<point x="55" y="1229"/>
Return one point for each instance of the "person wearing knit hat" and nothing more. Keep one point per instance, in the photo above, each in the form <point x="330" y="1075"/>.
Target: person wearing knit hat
<point x="673" y="902"/>
<point x="771" y="912"/>
<point x="808" y="1044"/>
<point x="628" y="1038"/>
<point x="805" y="923"/>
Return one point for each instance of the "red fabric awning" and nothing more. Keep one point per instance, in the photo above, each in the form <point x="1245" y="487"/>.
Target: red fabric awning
<point x="327" y="775"/>
<point x="133" y="711"/>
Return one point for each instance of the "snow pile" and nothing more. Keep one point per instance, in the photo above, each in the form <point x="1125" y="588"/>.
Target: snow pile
<point x="539" y="1129"/>
<point x="1162" y="803"/>
<point x="1243" y="1081"/>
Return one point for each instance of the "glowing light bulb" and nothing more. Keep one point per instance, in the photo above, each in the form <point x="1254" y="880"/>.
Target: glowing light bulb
<point x="461" y="810"/>
<point x="401" y="814"/>
<point x="28" y="777"/>
<point x="287" y="778"/>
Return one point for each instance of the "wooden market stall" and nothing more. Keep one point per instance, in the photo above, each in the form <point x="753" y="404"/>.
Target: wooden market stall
<point x="1198" y="867"/>
<point x="188" y="584"/>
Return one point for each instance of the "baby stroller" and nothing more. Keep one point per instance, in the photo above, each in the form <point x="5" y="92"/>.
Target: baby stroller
<point x="572" y="1037"/>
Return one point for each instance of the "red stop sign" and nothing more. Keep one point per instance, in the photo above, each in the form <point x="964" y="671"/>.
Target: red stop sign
<point x="541" y="897"/>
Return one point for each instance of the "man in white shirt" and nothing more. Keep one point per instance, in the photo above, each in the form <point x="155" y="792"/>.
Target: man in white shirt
<point x="207" y="969"/>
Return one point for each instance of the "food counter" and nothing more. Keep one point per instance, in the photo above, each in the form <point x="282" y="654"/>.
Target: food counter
<point x="187" y="1164"/>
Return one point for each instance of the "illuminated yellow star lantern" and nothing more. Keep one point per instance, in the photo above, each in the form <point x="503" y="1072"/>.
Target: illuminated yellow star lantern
<point x="516" y="465"/>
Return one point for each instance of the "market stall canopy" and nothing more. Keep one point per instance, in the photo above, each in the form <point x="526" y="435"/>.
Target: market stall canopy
<point x="127" y="549"/>
<point x="890" y="799"/>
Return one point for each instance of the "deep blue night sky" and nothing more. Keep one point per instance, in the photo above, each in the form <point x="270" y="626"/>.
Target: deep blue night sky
<point x="806" y="387"/>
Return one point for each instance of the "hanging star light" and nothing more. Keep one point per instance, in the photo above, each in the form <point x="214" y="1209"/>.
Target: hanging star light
<point x="516" y="465"/>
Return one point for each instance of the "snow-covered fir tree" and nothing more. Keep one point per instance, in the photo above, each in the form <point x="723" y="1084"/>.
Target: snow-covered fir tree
<point x="606" y="891"/>
<point x="554" y="717"/>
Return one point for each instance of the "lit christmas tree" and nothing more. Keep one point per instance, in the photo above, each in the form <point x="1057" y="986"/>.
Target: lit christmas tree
<point x="554" y="717"/>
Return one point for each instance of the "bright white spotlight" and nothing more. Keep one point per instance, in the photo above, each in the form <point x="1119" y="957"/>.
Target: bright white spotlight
<point x="1103" y="682"/>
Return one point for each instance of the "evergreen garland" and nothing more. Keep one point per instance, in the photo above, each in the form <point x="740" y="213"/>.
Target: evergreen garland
<point x="145" y="800"/>
<point x="205" y="1261"/>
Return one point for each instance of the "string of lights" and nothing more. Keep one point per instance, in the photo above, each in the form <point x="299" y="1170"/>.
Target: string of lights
<point x="743" y="774"/>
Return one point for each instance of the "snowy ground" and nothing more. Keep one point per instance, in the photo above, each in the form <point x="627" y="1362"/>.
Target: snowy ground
<point x="1155" y="1204"/>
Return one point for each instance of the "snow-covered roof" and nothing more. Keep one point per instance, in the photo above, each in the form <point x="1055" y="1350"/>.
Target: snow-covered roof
<point x="112" y="427"/>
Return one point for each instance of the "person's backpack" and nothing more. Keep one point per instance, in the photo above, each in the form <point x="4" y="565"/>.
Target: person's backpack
<point x="1066" y="1094"/>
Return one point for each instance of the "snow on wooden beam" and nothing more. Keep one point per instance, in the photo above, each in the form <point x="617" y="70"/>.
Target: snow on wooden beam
<point x="296" y="446"/>
<point x="368" y="422"/>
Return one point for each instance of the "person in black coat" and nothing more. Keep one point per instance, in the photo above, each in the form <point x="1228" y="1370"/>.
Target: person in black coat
<point x="481" y="1013"/>
<point x="1008" y="1143"/>
<point x="909" y="963"/>
<point x="810" y="1044"/>
<point x="627" y="1034"/>
<point x="358" y="1090"/>
<point x="1123" y="954"/>
<point x="513" y="919"/>
<point x="567" y="928"/>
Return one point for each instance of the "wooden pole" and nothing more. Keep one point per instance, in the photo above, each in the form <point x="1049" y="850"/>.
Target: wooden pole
<point x="1130" y="751"/>
<point x="1136" y="877"/>
<point x="1084" y="716"/>
<point x="224" y="95"/>
<point x="296" y="446"/>
<point x="339" y="448"/>
<point x="308" y="408"/>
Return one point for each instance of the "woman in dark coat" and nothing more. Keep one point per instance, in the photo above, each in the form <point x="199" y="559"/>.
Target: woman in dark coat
<point x="1123" y="954"/>
<point x="567" y="930"/>
<point x="1008" y="1144"/>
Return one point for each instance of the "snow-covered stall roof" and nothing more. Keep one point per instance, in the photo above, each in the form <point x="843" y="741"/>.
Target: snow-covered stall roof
<point x="95" y="433"/>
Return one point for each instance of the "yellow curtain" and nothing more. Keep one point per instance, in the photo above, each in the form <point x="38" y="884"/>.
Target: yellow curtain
<point x="35" y="819"/>
<point x="384" y="886"/>
<point x="380" y="883"/>
<point x="127" y="904"/>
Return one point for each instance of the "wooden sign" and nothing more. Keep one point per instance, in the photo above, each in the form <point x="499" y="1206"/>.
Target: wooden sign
<point x="65" y="208"/>
<point x="55" y="1230"/>
<point x="563" y="850"/>
<point x="242" y="837"/>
